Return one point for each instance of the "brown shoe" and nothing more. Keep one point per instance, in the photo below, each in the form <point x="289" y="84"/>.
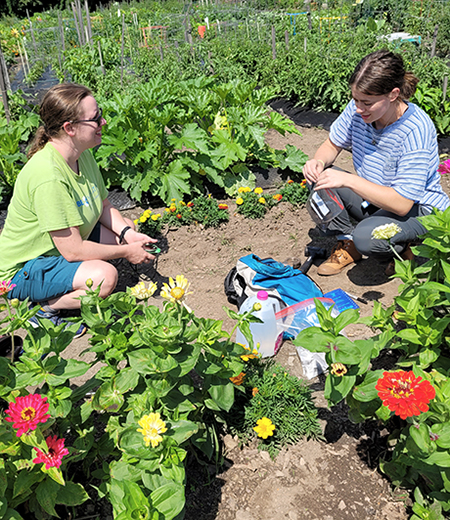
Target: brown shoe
<point x="344" y="253"/>
<point x="406" y="255"/>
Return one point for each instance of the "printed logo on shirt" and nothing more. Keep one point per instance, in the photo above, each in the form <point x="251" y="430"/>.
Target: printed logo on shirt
<point x="86" y="201"/>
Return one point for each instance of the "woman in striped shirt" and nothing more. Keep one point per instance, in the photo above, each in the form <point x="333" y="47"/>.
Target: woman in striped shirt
<point x="395" y="155"/>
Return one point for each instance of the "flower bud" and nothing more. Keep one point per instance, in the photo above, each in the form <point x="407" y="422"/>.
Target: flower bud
<point x="89" y="283"/>
<point x="15" y="302"/>
<point x="257" y="306"/>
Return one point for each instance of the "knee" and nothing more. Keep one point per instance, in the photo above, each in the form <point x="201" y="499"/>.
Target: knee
<point x="105" y="274"/>
<point x="130" y="223"/>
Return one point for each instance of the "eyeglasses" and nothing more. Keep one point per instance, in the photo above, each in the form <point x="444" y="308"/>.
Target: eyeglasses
<point x="97" y="119"/>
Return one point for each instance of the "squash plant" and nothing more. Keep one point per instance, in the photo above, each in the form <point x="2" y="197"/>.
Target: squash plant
<point x="169" y="138"/>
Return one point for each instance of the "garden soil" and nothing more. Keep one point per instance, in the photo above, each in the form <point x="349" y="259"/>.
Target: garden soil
<point x="332" y="479"/>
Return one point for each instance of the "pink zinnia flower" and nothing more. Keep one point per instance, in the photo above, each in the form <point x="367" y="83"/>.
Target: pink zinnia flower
<point x="56" y="452"/>
<point x="27" y="412"/>
<point x="444" y="167"/>
<point x="6" y="286"/>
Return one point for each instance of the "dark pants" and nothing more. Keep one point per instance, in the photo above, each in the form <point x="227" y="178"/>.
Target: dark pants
<point x="370" y="218"/>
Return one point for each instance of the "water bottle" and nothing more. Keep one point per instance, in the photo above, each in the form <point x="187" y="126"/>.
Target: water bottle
<point x="323" y="206"/>
<point x="266" y="333"/>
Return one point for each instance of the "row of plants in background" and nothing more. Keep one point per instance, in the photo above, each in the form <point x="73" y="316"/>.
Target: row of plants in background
<point x="413" y="397"/>
<point x="209" y="212"/>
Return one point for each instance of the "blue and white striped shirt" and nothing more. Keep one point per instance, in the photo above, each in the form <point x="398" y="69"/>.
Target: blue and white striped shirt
<point x="403" y="155"/>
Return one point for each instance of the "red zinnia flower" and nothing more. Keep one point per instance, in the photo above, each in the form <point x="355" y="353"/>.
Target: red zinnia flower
<point x="404" y="393"/>
<point x="444" y="167"/>
<point x="27" y="412"/>
<point x="223" y="206"/>
<point x="56" y="452"/>
<point x="6" y="286"/>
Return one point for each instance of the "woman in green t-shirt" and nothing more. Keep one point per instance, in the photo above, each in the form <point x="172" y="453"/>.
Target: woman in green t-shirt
<point x="61" y="230"/>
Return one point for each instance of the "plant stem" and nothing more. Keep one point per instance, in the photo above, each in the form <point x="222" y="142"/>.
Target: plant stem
<point x="395" y="252"/>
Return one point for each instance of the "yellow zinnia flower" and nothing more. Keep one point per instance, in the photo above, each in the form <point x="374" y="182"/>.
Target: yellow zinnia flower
<point x="151" y="427"/>
<point x="176" y="290"/>
<point x="141" y="292"/>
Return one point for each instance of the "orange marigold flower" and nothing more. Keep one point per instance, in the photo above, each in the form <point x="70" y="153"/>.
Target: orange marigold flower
<point x="238" y="380"/>
<point x="190" y="204"/>
<point x="404" y="393"/>
<point x="277" y="197"/>
<point x="254" y="391"/>
<point x="179" y="215"/>
<point x="303" y="183"/>
<point x="223" y="206"/>
<point x="290" y="181"/>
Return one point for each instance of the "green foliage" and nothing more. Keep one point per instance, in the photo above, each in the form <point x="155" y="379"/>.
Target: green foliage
<point x="168" y="138"/>
<point x="167" y="362"/>
<point x="296" y="193"/>
<point x="208" y="212"/>
<point x="149" y="223"/>
<point x="416" y="328"/>
<point x="253" y="203"/>
<point x="268" y="390"/>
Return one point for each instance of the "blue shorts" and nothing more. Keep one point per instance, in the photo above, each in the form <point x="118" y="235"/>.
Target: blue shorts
<point x="47" y="277"/>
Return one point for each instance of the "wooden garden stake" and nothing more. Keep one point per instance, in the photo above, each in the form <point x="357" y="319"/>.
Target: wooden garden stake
<point x="304" y="45"/>
<point x="274" y="49"/>
<point x="32" y="32"/>
<point x="76" y="25"/>
<point x="101" y="57"/>
<point x="444" y="88"/>
<point x="3" y="90"/>
<point x="22" y="59"/>
<point x="433" y="47"/>
<point x="80" y="20"/>
<point x="88" y="21"/>
<point x="121" y="58"/>
<point x="61" y="31"/>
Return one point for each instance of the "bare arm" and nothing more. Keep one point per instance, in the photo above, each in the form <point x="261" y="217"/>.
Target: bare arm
<point x="74" y="249"/>
<point x="113" y="220"/>
<point x="381" y="196"/>
<point x="325" y="156"/>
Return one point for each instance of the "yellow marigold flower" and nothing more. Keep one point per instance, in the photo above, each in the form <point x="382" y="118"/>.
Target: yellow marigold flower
<point x="338" y="369"/>
<point x="141" y="292"/>
<point x="239" y="201"/>
<point x="264" y="428"/>
<point x="151" y="426"/>
<point x="238" y="380"/>
<point x="241" y="189"/>
<point x="176" y="290"/>
<point x="167" y="210"/>
<point x="156" y="216"/>
<point x="136" y="222"/>
<point x="142" y="219"/>
<point x="182" y="203"/>
<point x="247" y="189"/>
<point x="258" y="191"/>
<point x="173" y="200"/>
<point x="262" y="200"/>
<point x="147" y="213"/>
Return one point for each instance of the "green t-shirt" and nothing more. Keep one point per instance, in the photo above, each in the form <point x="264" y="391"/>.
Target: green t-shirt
<point x="48" y="196"/>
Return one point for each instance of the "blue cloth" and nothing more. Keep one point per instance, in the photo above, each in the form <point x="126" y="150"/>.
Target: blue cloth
<point x="292" y="285"/>
<point x="403" y="155"/>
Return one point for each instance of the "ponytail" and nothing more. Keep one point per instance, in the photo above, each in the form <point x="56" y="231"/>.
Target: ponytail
<point x="409" y="85"/>
<point x="40" y="139"/>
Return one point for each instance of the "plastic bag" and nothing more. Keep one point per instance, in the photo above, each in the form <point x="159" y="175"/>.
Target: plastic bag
<point x="300" y="316"/>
